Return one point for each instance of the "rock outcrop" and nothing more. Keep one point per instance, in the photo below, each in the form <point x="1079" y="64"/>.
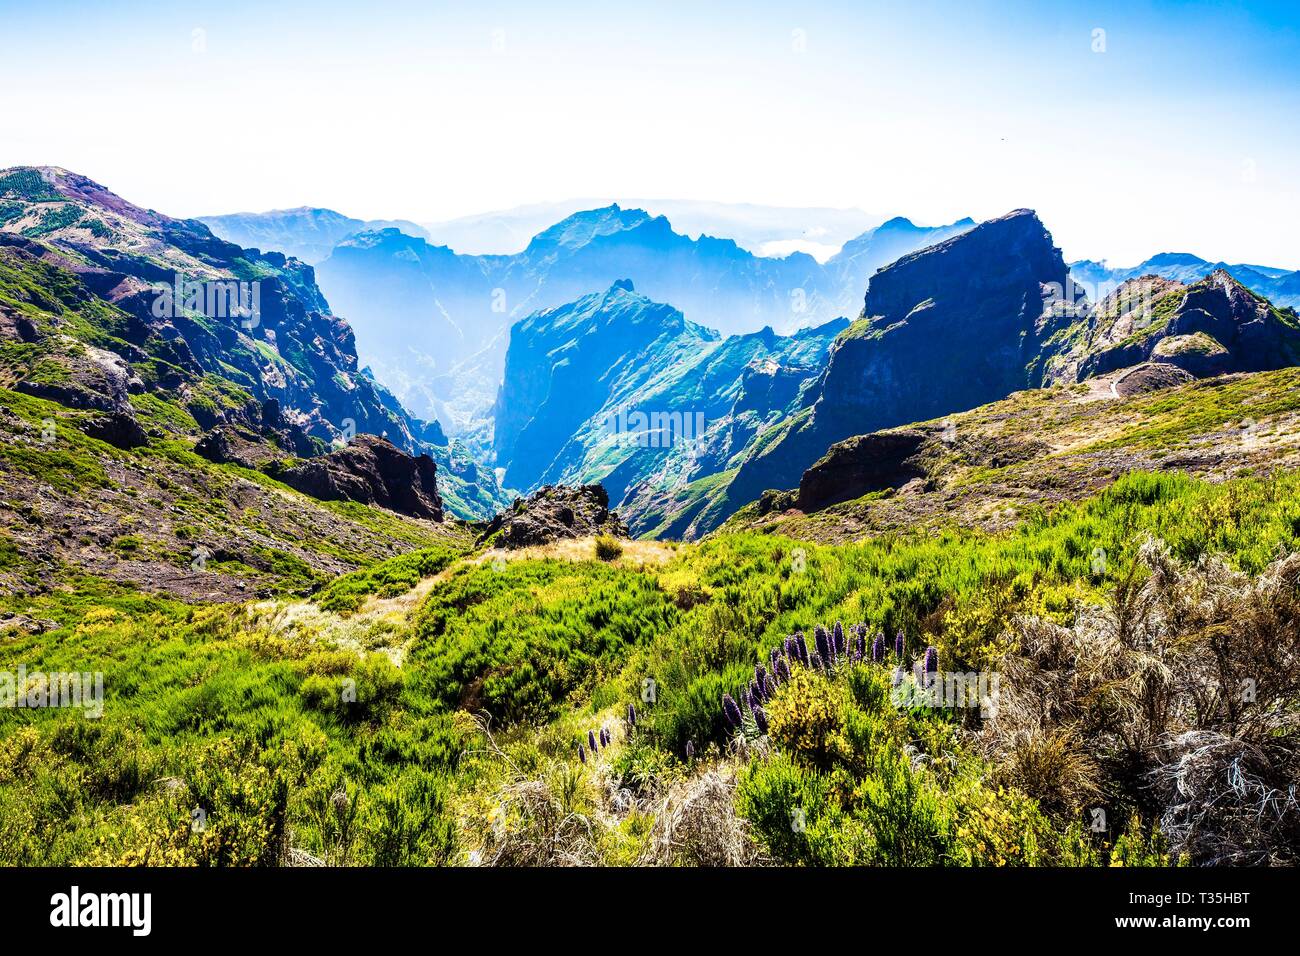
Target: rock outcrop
<point x="1207" y="328"/>
<point x="954" y="326"/>
<point x="372" y="471"/>
<point x="553" y="513"/>
<point x="861" y="465"/>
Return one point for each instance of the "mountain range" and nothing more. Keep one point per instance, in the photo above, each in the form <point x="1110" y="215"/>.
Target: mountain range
<point x="621" y="389"/>
<point x="208" y="502"/>
<point x="967" y="321"/>
<point x="433" y="323"/>
<point x="1280" y="285"/>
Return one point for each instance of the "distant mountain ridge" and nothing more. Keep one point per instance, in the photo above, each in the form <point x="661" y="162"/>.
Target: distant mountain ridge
<point x="1279" y="285"/>
<point x="433" y="323"/>
<point x="305" y="233"/>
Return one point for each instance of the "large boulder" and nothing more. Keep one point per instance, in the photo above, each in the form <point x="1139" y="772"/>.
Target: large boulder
<point x="860" y="465"/>
<point x="372" y="471"/>
<point x="552" y="513"/>
<point x="119" y="428"/>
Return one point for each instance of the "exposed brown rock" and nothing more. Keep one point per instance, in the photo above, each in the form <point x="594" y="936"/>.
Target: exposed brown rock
<point x="371" y="470"/>
<point x="861" y="465"/>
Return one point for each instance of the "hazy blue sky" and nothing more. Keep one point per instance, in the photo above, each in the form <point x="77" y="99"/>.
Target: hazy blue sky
<point x="1183" y="135"/>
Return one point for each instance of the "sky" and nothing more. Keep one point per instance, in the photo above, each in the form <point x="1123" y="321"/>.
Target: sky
<point x="1132" y="128"/>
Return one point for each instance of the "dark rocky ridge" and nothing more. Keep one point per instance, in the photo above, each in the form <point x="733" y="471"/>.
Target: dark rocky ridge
<point x="1211" y="327"/>
<point x="945" y="329"/>
<point x="860" y="465"/>
<point x="372" y="471"/>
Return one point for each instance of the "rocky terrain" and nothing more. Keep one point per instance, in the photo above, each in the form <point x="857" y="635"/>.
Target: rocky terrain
<point x="554" y="513"/>
<point x="1213" y="326"/>
<point x="371" y="471"/>
<point x="993" y="466"/>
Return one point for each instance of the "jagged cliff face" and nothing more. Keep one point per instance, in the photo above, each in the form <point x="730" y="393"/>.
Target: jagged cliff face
<point x="962" y="323"/>
<point x="128" y="301"/>
<point x="623" y="390"/>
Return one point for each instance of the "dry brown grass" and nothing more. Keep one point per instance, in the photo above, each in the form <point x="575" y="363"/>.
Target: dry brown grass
<point x="1180" y="697"/>
<point x="696" y="825"/>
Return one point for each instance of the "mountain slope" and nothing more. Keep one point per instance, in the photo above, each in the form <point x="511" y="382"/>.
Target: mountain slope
<point x="620" y="389"/>
<point x="127" y="301"/>
<point x="990" y="467"/>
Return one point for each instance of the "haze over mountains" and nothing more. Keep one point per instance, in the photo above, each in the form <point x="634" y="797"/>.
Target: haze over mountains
<point x="304" y="233"/>
<point x="433" y="323"/>
<point x="763" y="230"/>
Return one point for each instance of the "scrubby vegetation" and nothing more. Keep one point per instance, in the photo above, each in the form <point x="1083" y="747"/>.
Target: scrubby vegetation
<point x="572" y="710"/>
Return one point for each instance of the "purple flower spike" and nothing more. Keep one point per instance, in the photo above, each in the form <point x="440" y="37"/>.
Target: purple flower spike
<point x="822" y="640"/>
<point x="772" y="658"/>
<point x="631" y="714"/>
<point x="791" y="651"/>
<point x="878" y="649"/>
<point x="839" y="639"/>
<point x="690" y="750"/>
<point x="783" y="670"/>
<point x="760" y="674"/>
<point x="591" y="741"/>
<point x="730" y="710"/>
<point x="769" y="687"/>
<point x="898" y="645"/>
<point x="755" y="695"/>
<point x="582" y="754"/>
<point x="816" y="662"/>
<point x="760" y="718"/>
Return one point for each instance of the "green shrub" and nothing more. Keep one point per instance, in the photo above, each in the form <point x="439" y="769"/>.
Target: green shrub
<point x="608" y="548"/>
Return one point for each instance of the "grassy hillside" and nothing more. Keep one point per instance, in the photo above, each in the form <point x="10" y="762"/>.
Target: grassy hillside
<point x="1038" y="448"/>
<point x="430" y="710"/>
